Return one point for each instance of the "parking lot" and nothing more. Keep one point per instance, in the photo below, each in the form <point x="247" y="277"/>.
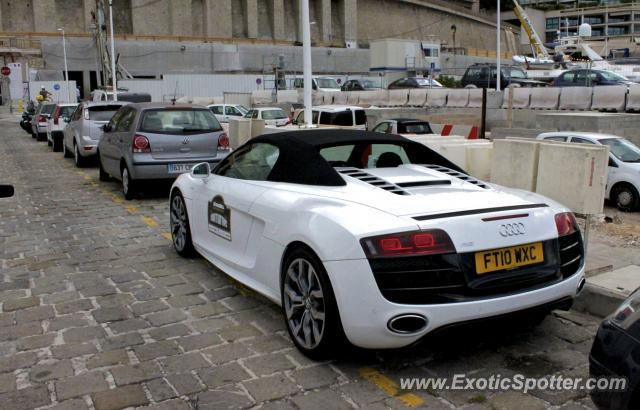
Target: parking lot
<point x="98" y="311"/>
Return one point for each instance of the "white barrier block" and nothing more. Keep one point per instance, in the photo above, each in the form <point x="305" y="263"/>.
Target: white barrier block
<point x="353" y="97"/>
<point x="517" y="166"/>
<point x="521" y="98"/>
<point x="544" y="98"/>
<point x="576" y="98"/>
<point x="381" y="98"/>
<point x="458" y="98"/>
<point x="437" y="97"/>
<point x="261" y="97"/>
<point x="398" y="98"/>
<point x="287" y="96"/>
<point x="417" y="97"/>
<point x="475" y="98"/>
<point x="479" y="160"/>
<point x="239" y="131"/>
<point x="574" y="175"/>
<point x="257" y="127"/>
<point x="317" y="98"/>
<point x="609" y="98"/>
<point x="633" y="98"/>
<point x="367" y="97"/>
<point x="327" y="97"/>
<point x="340" y="98"/>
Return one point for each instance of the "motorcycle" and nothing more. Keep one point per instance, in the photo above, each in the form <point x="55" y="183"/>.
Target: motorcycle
<point x="25" y="122"/>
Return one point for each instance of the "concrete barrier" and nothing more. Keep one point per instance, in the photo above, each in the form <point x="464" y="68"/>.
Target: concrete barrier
<point x="480" y="160"/>
<point x="458" y="98"/>
<point x="287" y="96"/>
<point x="576" y="98"/>
<point x="239" y="131"/>
<point x="521" y="98"/>
<point x="340" y="98"/>
<point x="368" y="98"/>
<point x="544" y="98"/>
<point x="257" y="127"/>
<point x="609" y="98"/>
<point x="417" y="97"/>
<point x="518" y="164"/>
<point x="380" y="98"/>
<point x="261" y="97"/>
<point x="574" y="175"/>
<point x="633" y="98"/>
<point x="437" y="97"/>
<point x="398" y="98"/>
<point x="327" y="97"/>
<point x="475" y="98"/>
<point x="353" y="97"/>
<point x="317" y="98"/>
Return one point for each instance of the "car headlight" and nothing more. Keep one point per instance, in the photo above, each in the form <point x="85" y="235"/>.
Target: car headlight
<point x="628" y="312"/>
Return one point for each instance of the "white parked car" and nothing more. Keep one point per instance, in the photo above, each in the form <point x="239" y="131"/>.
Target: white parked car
<point x="374" y="239"/>
<point x="225" y="112"/>
<point x="402" y="126"/>
<point x="623" y="182"/>
<point x="271" y="116"/>
<point x="325" y="84"/>
<point x="334" y="116"/>
<point x="57" y="122"/>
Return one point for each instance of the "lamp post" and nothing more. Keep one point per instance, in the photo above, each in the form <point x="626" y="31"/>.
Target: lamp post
<point x="498" y="72"/>
<point x="66" y="68"/>
<point x="306" y="62"/>
<point x="114" y="84"/>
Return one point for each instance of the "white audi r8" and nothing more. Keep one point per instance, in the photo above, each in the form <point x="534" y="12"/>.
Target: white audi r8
<point x="374" y="239"/>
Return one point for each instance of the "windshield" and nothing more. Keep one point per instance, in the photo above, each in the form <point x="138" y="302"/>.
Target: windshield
<point x="244" y="110"/>
<point x="327" y="83"/>
<point x="102" y="112"/>
<point x="414" y="128"/>
<point x="622" y="149"/>
<point x="428" y="82"/>
<point x="179" y="121"/>
<point x="516" y="73"/>
<point x="273" y="114"/>
<point x="609" y="76"/>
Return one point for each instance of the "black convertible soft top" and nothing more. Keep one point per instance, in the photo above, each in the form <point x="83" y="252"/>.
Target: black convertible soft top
<point x="300" y="162"/>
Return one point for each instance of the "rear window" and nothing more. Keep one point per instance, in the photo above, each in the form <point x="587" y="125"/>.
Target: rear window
<point x="67" y="111"/>
<point x="415" y="128"/>
<point x="341" y="119"/>
<point x="102" y="112"/>
<point x="47" y="109"/>
<point x="179" y="121"/>
<point x="273" y="114"/>
<point x="361" y="117"/>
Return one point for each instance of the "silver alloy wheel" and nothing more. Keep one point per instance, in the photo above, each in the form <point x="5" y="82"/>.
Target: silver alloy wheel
<point x="125" y="180"/>
<point x="304" y="303"/>
<point x="625" y="197"/>
<point x="178" y="223"/>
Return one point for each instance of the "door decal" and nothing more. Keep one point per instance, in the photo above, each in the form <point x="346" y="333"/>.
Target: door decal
<point x="219" y="218"/>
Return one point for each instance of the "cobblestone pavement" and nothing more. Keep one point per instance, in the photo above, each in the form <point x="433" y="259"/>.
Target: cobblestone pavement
<point x="99" y="312"/>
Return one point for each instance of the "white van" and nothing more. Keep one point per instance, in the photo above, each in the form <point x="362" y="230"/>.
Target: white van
<point x="319" y="84"/>
<point x="335" y="116"/>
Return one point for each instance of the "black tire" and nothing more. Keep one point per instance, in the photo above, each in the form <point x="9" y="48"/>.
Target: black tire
<point x="129" y="185"/>
<point x="34" y="135"/>
<point x="103" y="176"/>
<point x="65" y="151"/>
<point x="180" y="227"/>
<point x="626" y="197"/>
<point x="78" y="159"/>
<point x="316" y="343"/>
<point x="57" y="143"/>
<point x="49" y="142"/>
<point x="41" y="137"/>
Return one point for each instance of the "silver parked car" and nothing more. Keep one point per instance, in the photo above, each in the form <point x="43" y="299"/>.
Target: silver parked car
<point x="83" y="132"/>
<point x="40" y="118"/>
<point x="158" y="141"/>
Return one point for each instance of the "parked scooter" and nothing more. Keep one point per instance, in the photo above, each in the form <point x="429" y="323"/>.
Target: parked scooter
<point x="25" y="122"/>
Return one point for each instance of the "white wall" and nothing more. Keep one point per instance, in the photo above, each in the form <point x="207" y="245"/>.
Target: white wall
<point x="60" y="95"/>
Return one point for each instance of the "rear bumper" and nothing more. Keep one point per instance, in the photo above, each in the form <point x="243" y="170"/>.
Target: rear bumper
<point x="159" y="169"/>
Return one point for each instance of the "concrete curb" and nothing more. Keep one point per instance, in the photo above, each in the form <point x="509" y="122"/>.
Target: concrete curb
<point x="598" y="301"/>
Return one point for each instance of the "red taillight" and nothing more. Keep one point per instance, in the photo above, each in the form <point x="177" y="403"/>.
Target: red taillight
<point x="56" y="115"/>
<point x="223" y="142"/>
<point x="141" y="144"/>
<point x="432" y="242"/>
<point x="42" y="118"/>
<point x="566" y="224"/>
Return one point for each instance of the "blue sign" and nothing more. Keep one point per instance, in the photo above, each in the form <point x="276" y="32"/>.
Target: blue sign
<point x="56" y="87"/>
<point x="433" y="66"/>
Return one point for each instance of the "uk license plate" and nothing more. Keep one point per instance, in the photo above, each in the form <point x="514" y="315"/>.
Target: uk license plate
<point x="179" y="168"/>
<point x="511" y="257"/>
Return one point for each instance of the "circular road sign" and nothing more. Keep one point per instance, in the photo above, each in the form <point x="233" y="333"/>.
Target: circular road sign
<point x="56" y="87"/>
<point x="5" y="71"/>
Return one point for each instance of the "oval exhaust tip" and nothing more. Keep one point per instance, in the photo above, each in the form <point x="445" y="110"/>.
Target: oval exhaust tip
<point x="583" y="281"/>
<point x="407" y="324"/>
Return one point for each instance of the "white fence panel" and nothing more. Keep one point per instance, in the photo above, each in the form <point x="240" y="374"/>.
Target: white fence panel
<point x="59" y="95"/>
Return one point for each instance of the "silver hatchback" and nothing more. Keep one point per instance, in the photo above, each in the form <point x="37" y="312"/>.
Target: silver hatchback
<point x="158" y="141"/>
<point x="81" y="135"/>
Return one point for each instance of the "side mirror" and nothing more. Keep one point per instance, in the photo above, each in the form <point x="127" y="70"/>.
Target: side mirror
<point x="106" y="128"/>
<point x="6" y="191"/>
<point x="201" y="170"/>
<point x="612" y="163"/>
<point x="65" y="119"/>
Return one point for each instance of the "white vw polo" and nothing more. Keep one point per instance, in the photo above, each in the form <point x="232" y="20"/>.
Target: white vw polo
<point x="374" y="239"/>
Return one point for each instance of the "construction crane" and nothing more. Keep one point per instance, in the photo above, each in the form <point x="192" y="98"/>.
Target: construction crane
<point x="538" y="48"/>
<point x="102" y="51"/>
